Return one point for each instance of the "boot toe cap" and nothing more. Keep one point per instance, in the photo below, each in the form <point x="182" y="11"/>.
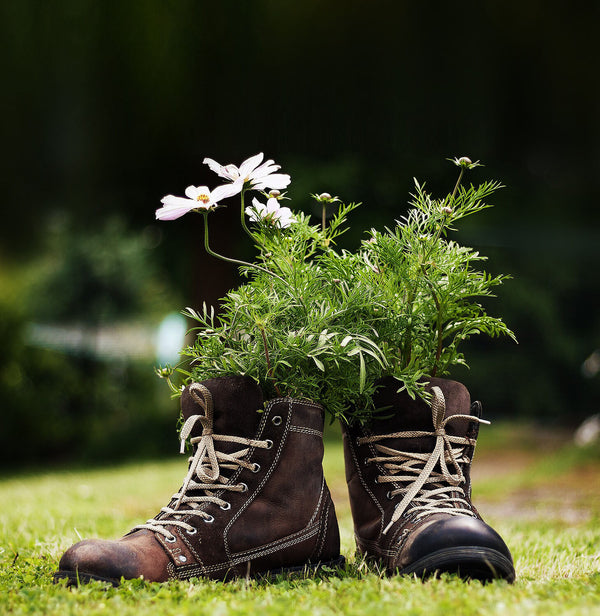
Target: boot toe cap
<point x="110" y="561"/>
<point x="456" y="544"/>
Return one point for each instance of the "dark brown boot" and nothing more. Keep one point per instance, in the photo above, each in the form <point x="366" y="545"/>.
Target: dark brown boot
<point x="410" y="489"/>
<point x="254" y="501"/>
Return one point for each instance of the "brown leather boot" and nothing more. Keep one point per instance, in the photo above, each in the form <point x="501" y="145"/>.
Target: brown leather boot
<point x="410" y="488"/>
<point x="254" y="501"/>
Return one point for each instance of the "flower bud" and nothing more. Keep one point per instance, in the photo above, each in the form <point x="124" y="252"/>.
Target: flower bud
<point x="324" y="197"/>
<point x="465" y="161"/>
<point x="447" y="209"/>
<point x="163" y="372"/>
<point x="275" y="194"/>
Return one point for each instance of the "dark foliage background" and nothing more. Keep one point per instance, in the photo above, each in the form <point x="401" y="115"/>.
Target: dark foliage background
<point x="108" y="106"/>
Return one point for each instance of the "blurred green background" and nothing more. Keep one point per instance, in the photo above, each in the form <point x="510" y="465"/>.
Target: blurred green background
<point x="109" y="105"/>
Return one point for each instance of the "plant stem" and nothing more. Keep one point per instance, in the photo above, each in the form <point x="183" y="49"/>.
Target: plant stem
<point x="439" y="324"/>
<point x="450" y="202"/>
<point x="323" y="217"/>
<point x="211" y="252"/>
<point x="243" y="215"/>
<point x="462" y="170"/>
<point x="423" y="263"/>
<point x="269" y="368"/>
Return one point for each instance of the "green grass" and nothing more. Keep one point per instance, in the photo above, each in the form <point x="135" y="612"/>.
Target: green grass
<point x="542" y="500"/>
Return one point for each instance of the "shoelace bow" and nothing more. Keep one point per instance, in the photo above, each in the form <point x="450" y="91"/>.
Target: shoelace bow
<point x="418" y="470"/>
<point x="204" y="471"/>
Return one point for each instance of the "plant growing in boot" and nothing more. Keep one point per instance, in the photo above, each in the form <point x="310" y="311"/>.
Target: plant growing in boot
<point x="326" y="324"/>
<point x="313" y="330"/>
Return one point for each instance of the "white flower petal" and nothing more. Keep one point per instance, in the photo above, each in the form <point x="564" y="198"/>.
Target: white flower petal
<point x="174" y="207"/>
<point x="226" y="190"/>
<point x="276" y="181"/>
<point x="250" y="164"/>
<point x="252" y="214"/>
<point x="258" y="206"/>
<point x="272" y="206"/>
<point x="213" y="165"/>
<point x="172" y="200"/>
<point x="266" y="168"/>
<point x="230" y="172"/>
<point x="285" y="217"/>
<point x="193" y="192"/>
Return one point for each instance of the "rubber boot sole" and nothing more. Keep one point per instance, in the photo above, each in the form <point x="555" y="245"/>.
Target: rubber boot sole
<point x="76" y="578"/>
<point x="482" y="564"/>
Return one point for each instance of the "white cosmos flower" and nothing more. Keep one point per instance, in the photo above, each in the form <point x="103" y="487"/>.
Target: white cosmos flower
<point x="272" y="213"/>
<point x="198" y="198"/>
<point x="253" y="172"/>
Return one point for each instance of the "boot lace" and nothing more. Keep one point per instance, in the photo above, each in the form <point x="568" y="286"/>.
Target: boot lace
<point x="433" y="481"/>
<point x="204" y="478"/>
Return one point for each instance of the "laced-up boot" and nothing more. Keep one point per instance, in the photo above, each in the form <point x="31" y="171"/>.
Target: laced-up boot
<point x="254" y="501"/>
<point x="409" y="482"/>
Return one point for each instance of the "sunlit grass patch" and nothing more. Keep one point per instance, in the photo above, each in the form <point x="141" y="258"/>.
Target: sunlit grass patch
<point x="557" y="558"/>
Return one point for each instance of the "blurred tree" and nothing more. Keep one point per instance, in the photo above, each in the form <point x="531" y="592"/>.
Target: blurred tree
<point x="110" y="105"/>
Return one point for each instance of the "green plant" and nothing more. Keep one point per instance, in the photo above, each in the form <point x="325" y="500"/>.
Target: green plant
<point x="319" y="322"/>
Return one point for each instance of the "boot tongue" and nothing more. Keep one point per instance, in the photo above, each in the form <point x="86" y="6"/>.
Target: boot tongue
<point x="403" y="414"/>
<point x="236" y="401"/>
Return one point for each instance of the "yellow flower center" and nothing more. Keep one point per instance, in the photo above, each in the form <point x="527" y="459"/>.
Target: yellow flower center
<point x="202" y="197"/>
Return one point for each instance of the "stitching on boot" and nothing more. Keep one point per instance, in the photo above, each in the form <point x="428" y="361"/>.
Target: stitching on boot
<point x="191" y="548"/>
<point x="172" y="573"/>
<point x="274" y="547"/>
<point x="324" y="529"/>
<point x="305" y="534"/>
<point x="316" y="511"/>
<point x="364" y="484"/>
<point x="195" y="570"/>
<point x="306" y="431"/>
<point x="303" y="401"/>
<point x="257" y="490"/>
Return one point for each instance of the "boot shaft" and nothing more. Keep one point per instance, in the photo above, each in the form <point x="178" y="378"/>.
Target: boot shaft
<point x="378" y="476"/>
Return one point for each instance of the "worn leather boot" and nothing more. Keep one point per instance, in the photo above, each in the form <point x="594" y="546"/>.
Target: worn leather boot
<point x="254" y="501"/>
<point x="409" y="481"/>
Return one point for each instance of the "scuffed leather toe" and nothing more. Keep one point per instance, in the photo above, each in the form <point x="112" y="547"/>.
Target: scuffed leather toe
<point x="97" y="559"/>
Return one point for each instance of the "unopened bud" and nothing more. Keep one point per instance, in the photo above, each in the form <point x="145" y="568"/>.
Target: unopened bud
<point x="274" y="194"/>
<point x="447" y="209"/>
<point x="464" y="161"/>
<point x="163" y="372"/>
<point x="324" y="197"/>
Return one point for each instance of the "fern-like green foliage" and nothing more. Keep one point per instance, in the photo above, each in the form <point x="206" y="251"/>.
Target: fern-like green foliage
<point x="326" y="324"/>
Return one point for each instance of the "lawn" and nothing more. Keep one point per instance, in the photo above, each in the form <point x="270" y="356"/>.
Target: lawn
<point x="540" y="492"/>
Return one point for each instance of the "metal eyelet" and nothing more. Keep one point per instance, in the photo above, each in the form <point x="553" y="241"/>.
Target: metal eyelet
<point x="269" y="443"/>
<point x="171" y="539"/>
<point x="182" y="558"/>
<point x="389" y="495"/>
<point x="367" y="461"/>
<point x="244" y="487"/>
<point x="255" y="468"/>
<point x="225" y="507"/>
<point x="277" y="420"/>
<point x="210" y="519"/>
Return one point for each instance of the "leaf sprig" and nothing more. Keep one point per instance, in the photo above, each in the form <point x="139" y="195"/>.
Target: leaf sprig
<point x="323" y="323"/>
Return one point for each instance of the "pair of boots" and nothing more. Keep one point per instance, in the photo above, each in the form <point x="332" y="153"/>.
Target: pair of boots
<point x="255" y="503"/>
